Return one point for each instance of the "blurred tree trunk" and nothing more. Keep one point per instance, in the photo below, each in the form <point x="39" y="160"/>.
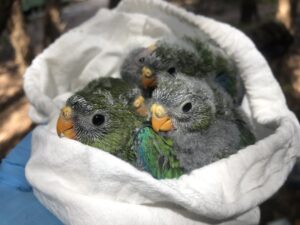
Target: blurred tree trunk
<point x="5" y="10"/>
<point x="294" y="6"/>
<point x="18" y="36"/>
<point x="113" y="3"/>
<point x="248" y="11"/>
<point x="286" y="12"/>
<point x="53" y="27"/>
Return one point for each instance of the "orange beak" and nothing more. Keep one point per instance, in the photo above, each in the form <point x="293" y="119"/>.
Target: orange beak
<point x="140" y="107"/>
<point x="160" y="120"/>
<point x="65" y="126"/>
<point x="148" y="78"/>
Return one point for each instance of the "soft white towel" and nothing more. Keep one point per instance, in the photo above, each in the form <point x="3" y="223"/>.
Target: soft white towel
<point x="84" y="185"/>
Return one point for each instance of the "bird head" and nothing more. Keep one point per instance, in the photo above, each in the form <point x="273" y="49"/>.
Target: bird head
<point x="98" y="119"/>
<point x="86" y="118"/>
<point x="140" y="67"/>
<point x="182" y="103"/>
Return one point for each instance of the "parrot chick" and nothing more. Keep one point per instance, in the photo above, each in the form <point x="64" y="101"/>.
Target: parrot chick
<point x="101" y="115"/>
<point x="200" y="119"/>
<point x="134" y="71"/>
<point x="190" y="56"/>
<point x="142" y="65"/>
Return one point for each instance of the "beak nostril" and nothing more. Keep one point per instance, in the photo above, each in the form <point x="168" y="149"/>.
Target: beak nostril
<point x="66" y="112"/>
<point x="153" y="107"/>
<point x="146" y="72"/>
<point x="158" y="111"/>
<point x="139" y="102"/>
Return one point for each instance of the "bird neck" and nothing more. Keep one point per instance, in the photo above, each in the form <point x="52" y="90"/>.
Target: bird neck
<point x="120" y="141"/>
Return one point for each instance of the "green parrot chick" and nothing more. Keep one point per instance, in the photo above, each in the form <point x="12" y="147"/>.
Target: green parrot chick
<point x="102" y="115"/>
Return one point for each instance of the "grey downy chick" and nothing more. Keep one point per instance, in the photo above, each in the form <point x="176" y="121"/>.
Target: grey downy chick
<point x="200" y="118"/>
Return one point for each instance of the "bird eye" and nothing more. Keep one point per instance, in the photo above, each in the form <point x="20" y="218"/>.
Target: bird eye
<point x="186" y="107"/>
<point x="171" y="70"/>
<point x="98" y="119"/>
<point x="142" y="60"/>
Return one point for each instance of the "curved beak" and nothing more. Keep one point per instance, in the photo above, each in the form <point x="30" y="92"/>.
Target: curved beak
<point x="160" y="120"/>
<point x="148" y="78"/>
<point x="140" y="106"/>
<point x="65" y="126"/>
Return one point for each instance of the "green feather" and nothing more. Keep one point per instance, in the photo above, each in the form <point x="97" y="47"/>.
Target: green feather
<point x="156" y="154"/>
<point x="118" y="89"/>
<point x="174" y="56"/>
<point x="217" y="63"/>
<point x="194" y="57"/>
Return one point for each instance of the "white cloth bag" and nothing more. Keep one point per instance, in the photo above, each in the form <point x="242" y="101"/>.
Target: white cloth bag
<point x="84" y="185"/>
